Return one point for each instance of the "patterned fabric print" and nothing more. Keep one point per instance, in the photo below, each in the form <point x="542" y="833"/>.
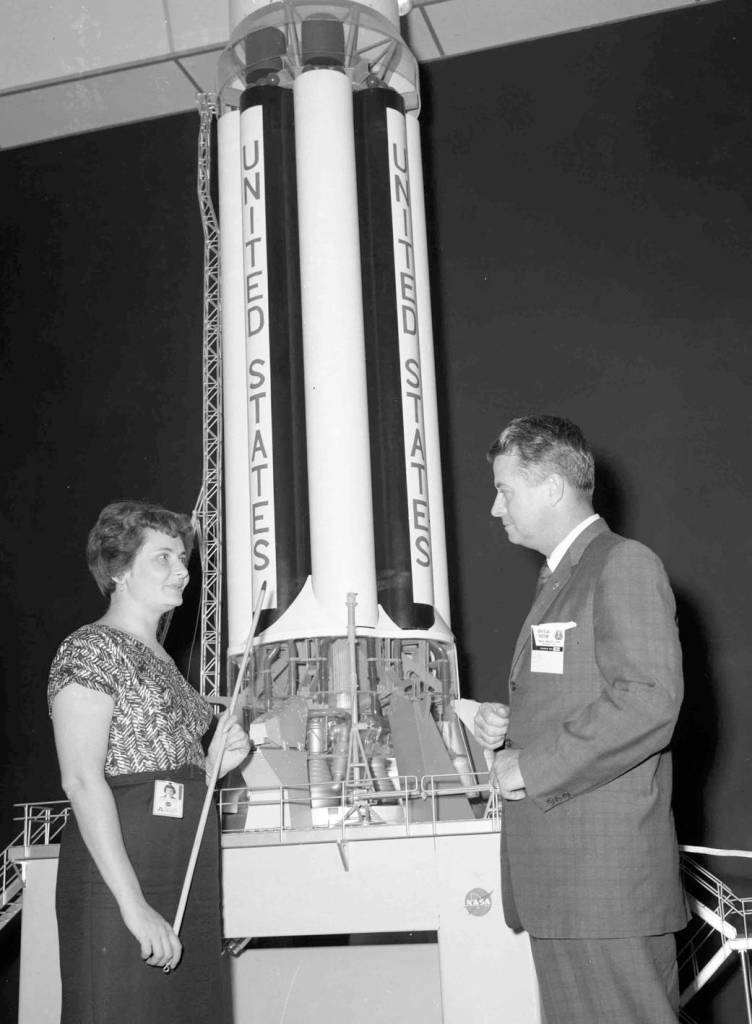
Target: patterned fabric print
<point x="158" y="718"/>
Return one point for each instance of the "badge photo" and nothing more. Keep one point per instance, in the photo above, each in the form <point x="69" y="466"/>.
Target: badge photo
<point x="168" y="799"/>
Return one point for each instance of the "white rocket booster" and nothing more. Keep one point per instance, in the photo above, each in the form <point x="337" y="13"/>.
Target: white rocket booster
<point x="332" y="465"/>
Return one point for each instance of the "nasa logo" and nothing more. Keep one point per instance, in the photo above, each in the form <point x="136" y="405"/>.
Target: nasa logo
<point x="478" y="902"/>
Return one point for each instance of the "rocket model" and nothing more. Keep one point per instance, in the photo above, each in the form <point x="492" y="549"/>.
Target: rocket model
<point x="333" y="489"/>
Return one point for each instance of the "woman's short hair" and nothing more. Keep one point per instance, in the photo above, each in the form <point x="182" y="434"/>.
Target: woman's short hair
<point x="118" y="534"/>
<point x="548" y="444"/>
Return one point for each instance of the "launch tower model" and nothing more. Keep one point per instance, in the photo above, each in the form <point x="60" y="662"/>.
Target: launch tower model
<point x="333" y="491"/>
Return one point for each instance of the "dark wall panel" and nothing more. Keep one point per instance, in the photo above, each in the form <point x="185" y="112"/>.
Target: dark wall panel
<point x="591" y="225"/>
<point x="100" y="390"/>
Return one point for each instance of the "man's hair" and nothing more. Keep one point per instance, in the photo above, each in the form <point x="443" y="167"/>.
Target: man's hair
<point x="118" y="534"/>
<point x="548" y="444"/>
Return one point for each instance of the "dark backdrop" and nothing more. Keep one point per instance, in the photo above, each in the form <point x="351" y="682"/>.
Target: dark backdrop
<point x="590" y="227"/>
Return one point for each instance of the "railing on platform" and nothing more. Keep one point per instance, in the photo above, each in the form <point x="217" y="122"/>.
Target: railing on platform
<point x="376" y="803"/>
<point x="42" y="822"/>
<point x="721" y="926"/>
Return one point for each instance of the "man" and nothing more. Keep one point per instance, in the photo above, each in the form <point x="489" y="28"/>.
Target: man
<point x="589" y="857"/>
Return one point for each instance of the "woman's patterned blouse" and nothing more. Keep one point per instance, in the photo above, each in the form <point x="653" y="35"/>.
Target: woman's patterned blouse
<point x="158" y="719"/>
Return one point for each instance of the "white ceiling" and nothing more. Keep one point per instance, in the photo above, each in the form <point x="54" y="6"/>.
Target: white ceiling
<point x="68" y="67"/>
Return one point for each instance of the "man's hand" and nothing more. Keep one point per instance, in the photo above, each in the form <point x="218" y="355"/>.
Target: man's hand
<point x="505" y="775"/>
<point x="491" y="723"/>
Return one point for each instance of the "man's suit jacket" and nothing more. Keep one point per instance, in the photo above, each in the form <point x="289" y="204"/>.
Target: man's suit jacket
<point x="591" y="851"/>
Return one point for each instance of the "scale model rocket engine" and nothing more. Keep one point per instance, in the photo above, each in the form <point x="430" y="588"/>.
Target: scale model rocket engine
<point x="333" y="482"/>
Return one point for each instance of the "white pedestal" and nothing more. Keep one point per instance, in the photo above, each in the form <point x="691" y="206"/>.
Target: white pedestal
<point x="296" y="884"/>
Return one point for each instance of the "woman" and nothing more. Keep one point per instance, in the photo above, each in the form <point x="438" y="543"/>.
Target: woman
<point x="128" y="732"/>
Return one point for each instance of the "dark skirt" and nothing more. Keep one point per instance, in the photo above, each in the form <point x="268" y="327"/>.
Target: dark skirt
<point x="104" y="979"/>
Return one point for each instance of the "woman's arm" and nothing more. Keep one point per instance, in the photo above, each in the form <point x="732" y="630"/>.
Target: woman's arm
<point x="81" y="719"/>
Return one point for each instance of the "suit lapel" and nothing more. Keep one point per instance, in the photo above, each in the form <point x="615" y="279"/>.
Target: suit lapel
<point x="546" y="595"/>
<point x="554" y="585"/>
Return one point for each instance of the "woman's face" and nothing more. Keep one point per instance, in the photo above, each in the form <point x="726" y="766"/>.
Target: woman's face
<point x="158" y="574"/>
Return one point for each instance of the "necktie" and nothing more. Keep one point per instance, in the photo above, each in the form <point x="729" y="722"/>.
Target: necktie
<point x="543" y="577"/>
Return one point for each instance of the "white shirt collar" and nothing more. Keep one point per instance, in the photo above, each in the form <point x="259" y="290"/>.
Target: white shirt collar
<point x="562" y="547"/>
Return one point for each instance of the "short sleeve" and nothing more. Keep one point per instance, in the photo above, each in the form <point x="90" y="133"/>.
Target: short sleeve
<point x="86" y="657"/>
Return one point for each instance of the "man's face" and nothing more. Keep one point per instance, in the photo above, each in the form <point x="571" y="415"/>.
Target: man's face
<point x="522" y="503"/>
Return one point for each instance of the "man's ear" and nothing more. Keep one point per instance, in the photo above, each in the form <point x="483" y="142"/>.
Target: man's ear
<point x="556" y="486"/>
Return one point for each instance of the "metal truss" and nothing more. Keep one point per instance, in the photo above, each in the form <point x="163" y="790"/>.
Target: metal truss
<point x="208" y="513"/>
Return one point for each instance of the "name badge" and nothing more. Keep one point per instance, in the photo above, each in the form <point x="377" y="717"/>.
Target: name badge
<point x="547" y="647"/>
<point x="168" y="799"/>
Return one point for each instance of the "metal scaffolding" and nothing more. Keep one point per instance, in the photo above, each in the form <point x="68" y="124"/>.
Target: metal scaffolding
<point x="208" y="512"/>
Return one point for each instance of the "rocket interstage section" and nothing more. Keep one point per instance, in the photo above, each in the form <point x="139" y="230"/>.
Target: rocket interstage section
<point x="332" y="467"/>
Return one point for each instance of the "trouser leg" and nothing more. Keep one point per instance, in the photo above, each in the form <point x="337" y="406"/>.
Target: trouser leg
<point x="618" y="981"/>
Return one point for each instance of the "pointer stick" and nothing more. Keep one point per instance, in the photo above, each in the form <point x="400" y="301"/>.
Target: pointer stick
<point x="215" y="770"/>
